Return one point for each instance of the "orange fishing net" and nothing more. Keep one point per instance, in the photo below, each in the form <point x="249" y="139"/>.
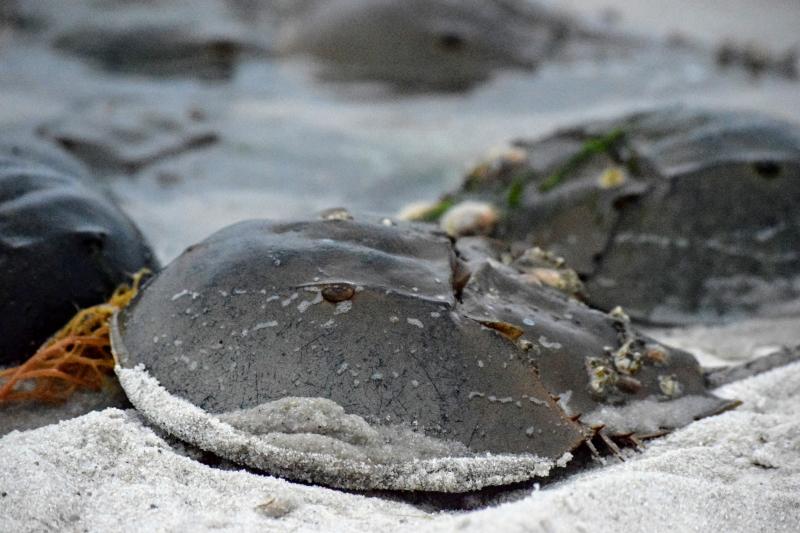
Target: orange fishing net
<point x="77" y="357"/>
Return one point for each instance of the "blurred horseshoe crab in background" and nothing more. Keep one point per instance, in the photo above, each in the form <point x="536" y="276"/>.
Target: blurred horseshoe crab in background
<point x="447" y="44"/>
<point x="64" y="245"/>
<point x="414" y="45"/>
<point x="680" y="215"/>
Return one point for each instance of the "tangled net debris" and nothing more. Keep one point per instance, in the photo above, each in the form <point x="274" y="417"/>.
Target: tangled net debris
<point x="77" y="357"/>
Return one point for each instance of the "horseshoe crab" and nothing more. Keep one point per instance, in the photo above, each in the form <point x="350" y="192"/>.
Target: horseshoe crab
<point x="443" y="44"/>
<point x="63" y="245"/>
<point x="680" y="215"/>
<point x="381" y="355"/>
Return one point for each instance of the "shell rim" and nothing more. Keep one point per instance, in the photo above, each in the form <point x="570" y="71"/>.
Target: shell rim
<point x="447" y="474"/>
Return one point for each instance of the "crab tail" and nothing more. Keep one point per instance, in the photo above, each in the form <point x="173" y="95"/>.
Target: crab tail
<point x="716" y="377"/>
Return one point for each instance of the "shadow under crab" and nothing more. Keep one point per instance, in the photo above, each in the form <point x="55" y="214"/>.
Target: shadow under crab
<point x="369" y="355"/>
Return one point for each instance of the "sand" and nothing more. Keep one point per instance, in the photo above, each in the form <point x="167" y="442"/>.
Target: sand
<point x="109" y="471"/>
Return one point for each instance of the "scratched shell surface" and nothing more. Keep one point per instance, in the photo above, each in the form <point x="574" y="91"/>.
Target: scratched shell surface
<point x="679" y="214"/>
<point x="374" y="318"/>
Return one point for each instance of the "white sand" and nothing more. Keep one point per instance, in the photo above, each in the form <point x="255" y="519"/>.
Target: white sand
<point x="108" y="471"/>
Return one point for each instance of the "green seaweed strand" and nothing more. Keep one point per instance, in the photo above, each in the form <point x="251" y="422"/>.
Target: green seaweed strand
<point x="437" y="211"/>
<point x="596" y="145"/>
<point x="516" y="189"/>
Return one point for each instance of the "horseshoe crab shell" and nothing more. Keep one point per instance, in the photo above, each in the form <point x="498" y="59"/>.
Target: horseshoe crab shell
<point x="63" y="245"/>
<point x="363" y="355"/>
<point x="444" y="45"/>
<point x="680" y="215"/>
